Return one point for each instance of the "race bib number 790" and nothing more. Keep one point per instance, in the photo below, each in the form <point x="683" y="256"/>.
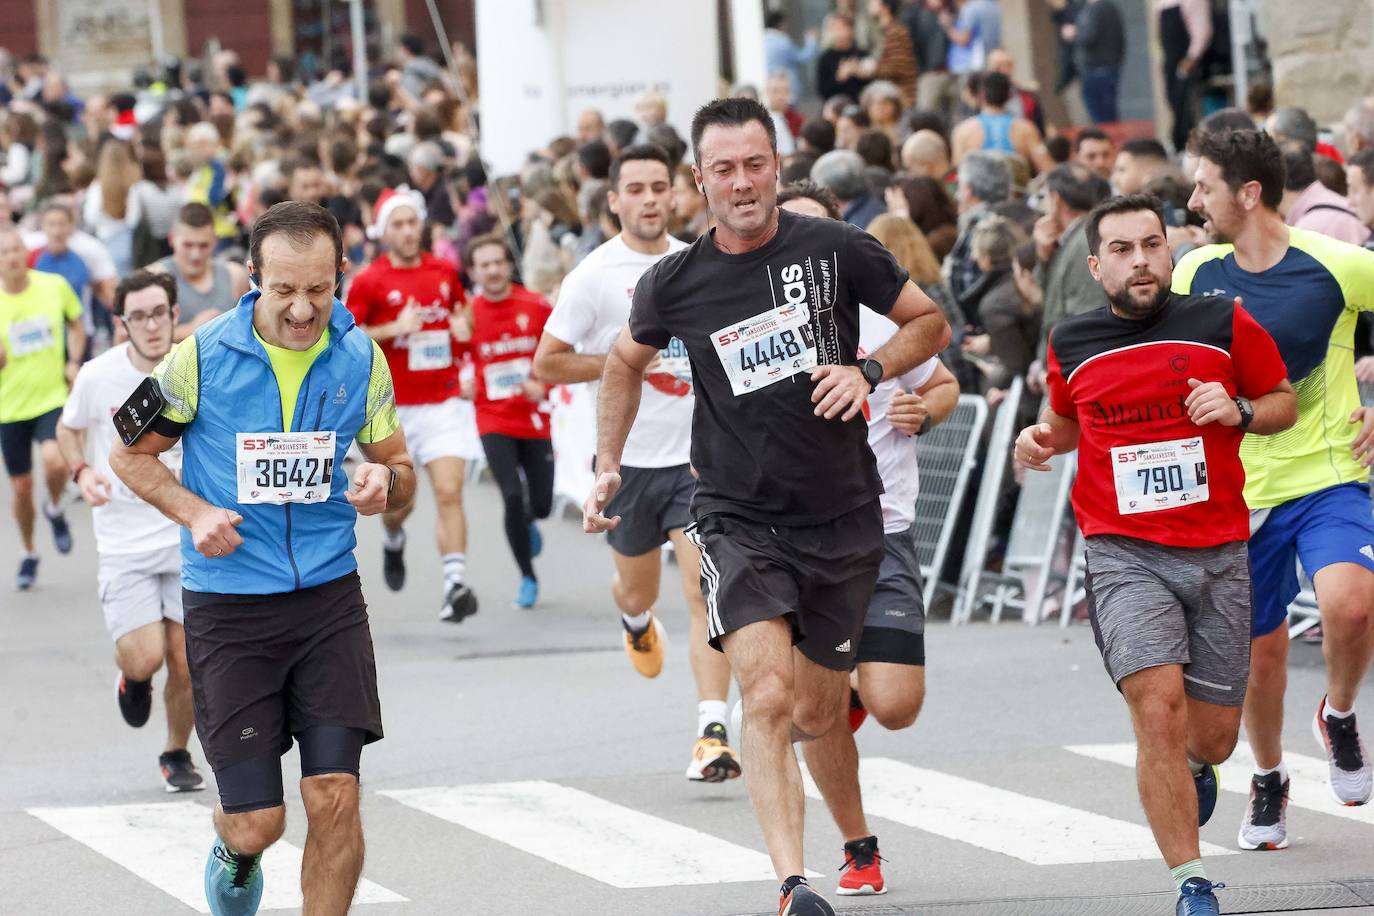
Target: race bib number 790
<point x="280" y="468"/>
<point x="1160" y="475"/>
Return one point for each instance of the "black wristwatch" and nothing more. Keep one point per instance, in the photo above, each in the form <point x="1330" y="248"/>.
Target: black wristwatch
<point x="1247" y="412"/>
<point x="873" y="372"/>
<point x="391" y="485"/>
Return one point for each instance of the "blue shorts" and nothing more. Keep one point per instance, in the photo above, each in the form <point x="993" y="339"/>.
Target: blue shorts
<point x="1329" y="526"/>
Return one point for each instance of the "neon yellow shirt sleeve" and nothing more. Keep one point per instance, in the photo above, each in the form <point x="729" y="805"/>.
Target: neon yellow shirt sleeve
<point x="382" y="419"/>
<point x="178" y="376"/>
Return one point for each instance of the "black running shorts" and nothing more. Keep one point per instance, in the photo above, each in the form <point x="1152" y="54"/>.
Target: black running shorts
<point x="265" y="668"/>
<point x="894" y="627"/>
<point x="17" y="439"/>
<point x="819" y="577"/>
<point x="650" y="502"/>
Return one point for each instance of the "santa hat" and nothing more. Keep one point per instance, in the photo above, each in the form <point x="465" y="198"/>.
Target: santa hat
<point x="388" y="202"/>
<point x="125" y="125"/>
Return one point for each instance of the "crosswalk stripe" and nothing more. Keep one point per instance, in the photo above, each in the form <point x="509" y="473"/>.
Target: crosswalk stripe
<point x="166" y="845"/>
<point x="1308" y="787"/>
<point x="590" y="835"/>
<point x="1030" y="829"/>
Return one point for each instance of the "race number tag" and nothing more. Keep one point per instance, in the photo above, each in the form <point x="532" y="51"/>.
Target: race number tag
<point x="429" y="350"/>
<point x="283" y="468"/>
<point x="504" y="379"/>
<point x="767" y="348"/>
<point x="32" y="335"/>
<point x="1160" y="475"/>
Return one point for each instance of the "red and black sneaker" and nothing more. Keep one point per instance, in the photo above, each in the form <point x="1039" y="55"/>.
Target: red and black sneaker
<point x="135" y="700"/>
<point x="857" y="712"/>
<point x="799" y="899"/>
<point x="861" y="875"/>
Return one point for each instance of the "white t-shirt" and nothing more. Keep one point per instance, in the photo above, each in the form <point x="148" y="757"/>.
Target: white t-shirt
<point x="126" y="524"/>
<point x="895" y="451"/>
<point x="593" y="306"/>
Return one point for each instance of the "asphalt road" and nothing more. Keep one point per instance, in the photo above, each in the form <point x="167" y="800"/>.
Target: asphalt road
<point x="528" y="770"/>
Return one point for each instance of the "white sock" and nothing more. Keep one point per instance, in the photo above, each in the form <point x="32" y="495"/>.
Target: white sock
<point x="711" y="711"/>
<point x="1281" y="769"/>
<point x="455" y="565"/>
<point x="638" y="623"/>
<point x="1196" y="766"/>
<point x="52" y="510"/>
<point x="30" y="555"/>
<point x="1331" y="712"/>
<point x="394" y="540"/>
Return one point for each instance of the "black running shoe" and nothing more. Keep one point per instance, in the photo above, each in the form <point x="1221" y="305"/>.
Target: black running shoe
<point x="28" y="574"/>
<point x="61" y="532"/>
<point x="459" y="603"/>
<point x="179" y="772"/>
<point x="135" y="700"/>
<point x="394" y="567"/>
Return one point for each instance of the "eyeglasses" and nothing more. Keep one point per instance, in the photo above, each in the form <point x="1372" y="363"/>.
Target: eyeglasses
<point x="156" y="316"/>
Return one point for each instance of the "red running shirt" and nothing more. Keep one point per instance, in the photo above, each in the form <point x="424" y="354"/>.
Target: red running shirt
<point x="1145" y="470"/>
<point x="424" y="365"/>
<point x="504" y="337"/>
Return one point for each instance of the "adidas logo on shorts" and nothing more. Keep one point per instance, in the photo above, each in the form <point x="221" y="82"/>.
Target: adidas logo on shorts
<point x="843" y="647"/>
<point x="1367" y="551"/>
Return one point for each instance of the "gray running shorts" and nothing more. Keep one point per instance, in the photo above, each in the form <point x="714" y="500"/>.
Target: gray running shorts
<point x="650" y="502"/>
<point x="894" y="627"/>
<point x="1156" y="605"/>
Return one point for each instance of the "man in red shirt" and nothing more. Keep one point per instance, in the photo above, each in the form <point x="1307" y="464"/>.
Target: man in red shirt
<point x="1156" y="391"/>
<point x="412" y="304"/>
<point x="512" y="416"/>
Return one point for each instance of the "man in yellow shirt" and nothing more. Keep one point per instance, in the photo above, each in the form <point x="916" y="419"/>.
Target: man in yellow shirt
<point x="40" y="345"/>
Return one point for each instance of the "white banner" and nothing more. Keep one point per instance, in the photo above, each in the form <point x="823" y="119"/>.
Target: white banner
<point x="543" y="62"/>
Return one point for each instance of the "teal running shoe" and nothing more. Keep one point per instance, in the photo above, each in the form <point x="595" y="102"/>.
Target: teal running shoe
<point x="233" y="882"/>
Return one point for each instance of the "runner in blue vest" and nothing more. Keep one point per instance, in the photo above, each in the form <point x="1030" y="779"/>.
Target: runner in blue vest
<point x="266" y="400"/>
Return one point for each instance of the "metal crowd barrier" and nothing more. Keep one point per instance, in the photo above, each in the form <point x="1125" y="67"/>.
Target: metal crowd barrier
<point x="946" y="455"/>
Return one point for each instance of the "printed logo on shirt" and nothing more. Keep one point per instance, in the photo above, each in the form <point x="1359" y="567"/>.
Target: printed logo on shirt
<point x="1102" y="414"/>
<point x="523" y="321"/>
<point x="394" y="297"/>
<point x="342" y="395"/>
<point x="1179" y="363"/>
<point x="444" y="290"/>
<point x="809" y="284"/>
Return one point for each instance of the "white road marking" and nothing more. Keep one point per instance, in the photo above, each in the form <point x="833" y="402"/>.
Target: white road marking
<point x="597" y="838"/>
<point x="167" y="844"/>
<point x="1030" y="829"/>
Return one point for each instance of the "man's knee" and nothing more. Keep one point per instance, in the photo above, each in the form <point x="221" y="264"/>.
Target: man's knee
<point x="1349" y="609"/>
<point x="896" y="713"/>
<point x="635" y="595"/>
<point x="448" y="493"/>
<point x="22" y="486"/>
<point x="817" y="712"/>
<point x="768" y="698"/>
<point x="1157" y="710"/>
<point x="141" y="653"/>
<point x="1214" y="745"/>
<point x="251" y="832"/>
<point x="331" y="800"/>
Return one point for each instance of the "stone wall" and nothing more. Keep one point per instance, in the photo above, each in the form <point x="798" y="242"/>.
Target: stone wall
<point x="1322" y="53"/>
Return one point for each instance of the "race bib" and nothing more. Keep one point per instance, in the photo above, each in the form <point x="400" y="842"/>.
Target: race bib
<point x="767" y="348"/>
<point x="429" y="350"/>
<point x="1160" y="475"/>
<point x="283" y="468"/>
<point x="32" y="335"/>
<point x="504" y="379"/>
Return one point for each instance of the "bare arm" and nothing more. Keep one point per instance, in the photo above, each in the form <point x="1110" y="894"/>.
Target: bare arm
<point x="212" y="528"/>
<point x="1209" y="402"/>
<point x="557" y="363"/>
<point x="1053" y="435"/>
<point x="933" y="401"/>
<point x="76" y="348"/>
<point x="95" y="489"/>
<point x="386" y="457"/>
<point x="922" y="332"/>
<point x="617" y="403"/>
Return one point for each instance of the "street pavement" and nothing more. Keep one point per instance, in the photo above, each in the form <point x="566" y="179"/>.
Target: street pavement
<point x="528" y="770"/>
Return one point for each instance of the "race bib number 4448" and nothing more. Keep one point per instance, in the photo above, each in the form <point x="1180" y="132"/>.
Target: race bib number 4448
<point x="281" y="468"/>
<point x="1160" y="475"/>
<point x="767" y="348"/>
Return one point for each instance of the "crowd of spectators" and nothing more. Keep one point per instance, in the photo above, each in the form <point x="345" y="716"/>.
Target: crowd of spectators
<point x="921" y="135"/>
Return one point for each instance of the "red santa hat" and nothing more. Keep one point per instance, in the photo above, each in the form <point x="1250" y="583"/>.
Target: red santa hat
<point x="125" y="125"/>
<point x="388" y="202"/>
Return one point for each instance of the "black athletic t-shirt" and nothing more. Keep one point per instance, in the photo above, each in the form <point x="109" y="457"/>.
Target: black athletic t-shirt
<point x="754" y="326"/>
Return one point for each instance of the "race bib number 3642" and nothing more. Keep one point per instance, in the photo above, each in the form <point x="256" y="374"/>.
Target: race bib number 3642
<point x="765" y="349"/>
<point x="279" y="468"/>
<point x="1160" y="475"/>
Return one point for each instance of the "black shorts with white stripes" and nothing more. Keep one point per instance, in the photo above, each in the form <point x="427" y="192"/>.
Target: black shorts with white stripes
<point x="819" y="577"/>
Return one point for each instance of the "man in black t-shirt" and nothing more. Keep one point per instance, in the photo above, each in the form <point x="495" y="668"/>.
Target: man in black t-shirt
<point x="786" y="508"/>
